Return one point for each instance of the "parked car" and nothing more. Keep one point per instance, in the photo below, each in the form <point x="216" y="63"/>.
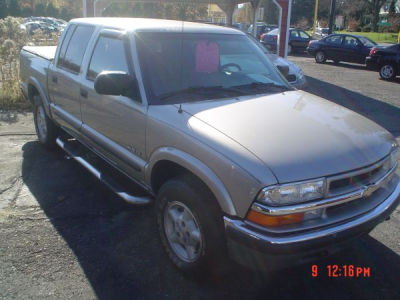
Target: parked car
<point x="386" y="61"/>
<point x="294" y="73"/>
<point x="298" y="40"/>
<point x="235" y="160"/>
<point x="262" y="28"/>
<point x="321" y="32"/>
<point x="341" y="47"/>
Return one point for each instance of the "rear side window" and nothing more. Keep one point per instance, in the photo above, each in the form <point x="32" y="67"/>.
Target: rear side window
<point x="65" y="43"/>
<point x="76" y="48"/>
<point x="334" y="40"/>
<point x="108" y="55"/>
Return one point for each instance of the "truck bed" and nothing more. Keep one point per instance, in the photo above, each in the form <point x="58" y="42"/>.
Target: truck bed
<point x="46" y="52"/>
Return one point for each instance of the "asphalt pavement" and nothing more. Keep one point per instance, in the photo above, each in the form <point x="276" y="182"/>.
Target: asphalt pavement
<point x="63" y="235"/>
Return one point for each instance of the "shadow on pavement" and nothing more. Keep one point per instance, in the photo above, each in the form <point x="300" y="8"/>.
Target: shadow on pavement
<point x="118" y="248"/>
<point x="386" y="115"/>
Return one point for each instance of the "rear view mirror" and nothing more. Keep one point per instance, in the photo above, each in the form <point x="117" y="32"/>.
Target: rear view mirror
<point x="117" y="84"/>
<point x="283" y="69"/>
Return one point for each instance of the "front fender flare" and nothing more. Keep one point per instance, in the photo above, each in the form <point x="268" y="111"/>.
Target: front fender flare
<point x="199" y="169"/>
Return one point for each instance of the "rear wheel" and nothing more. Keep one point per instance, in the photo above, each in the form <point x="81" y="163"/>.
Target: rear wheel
<point x="387" y="72"/>
<point x="320" y="57"/>
<point x="46" y="130"/>
<point x="190" y="224"/>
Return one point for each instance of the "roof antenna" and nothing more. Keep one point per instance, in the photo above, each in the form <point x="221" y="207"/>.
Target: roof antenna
<point x="180" y="109"/>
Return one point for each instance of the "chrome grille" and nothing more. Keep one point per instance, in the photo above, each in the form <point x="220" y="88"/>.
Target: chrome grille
<point x="353" y="181"/>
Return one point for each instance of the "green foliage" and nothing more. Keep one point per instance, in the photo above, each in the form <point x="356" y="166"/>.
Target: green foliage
<point x="51" y="10"/>
<point x="40" y="9"/>
<point x="3" y="9"/>
<point x="14" y="8"/>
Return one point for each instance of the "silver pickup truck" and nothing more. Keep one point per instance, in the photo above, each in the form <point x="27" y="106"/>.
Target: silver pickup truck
<point x="234" y="159"/>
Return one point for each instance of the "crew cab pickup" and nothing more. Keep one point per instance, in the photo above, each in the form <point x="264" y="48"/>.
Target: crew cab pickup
<point x="234" y="159"/>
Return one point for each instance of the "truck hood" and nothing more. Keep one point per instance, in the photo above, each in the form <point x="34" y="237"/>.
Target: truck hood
<point x="297" y="135"/>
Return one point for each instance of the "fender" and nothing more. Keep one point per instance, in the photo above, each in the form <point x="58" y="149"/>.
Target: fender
<point x="197" y="168"/>
<point x="46" y="101"/>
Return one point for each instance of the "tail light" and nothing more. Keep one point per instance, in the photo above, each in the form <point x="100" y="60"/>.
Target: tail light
<point x="309" y="43"/>
<point x="373" y="51"/>
<point x="275" y="37"/>
<point x="262" y="37"/>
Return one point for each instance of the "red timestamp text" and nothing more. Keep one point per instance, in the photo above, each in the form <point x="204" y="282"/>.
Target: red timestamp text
<point x="345" y="271"/>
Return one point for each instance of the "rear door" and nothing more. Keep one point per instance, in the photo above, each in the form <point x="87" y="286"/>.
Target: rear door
<point x="64" y="76"/>
<point x="115" y="124"/>
<point x="304" y="39"/>
<point x="352" y="50"/>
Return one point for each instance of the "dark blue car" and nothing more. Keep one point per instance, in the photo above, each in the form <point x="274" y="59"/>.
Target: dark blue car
<point x="298" y="40"/>
<point x="341" y="47"/>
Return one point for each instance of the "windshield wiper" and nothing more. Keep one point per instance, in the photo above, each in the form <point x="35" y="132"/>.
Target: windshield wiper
<point x="202" y="91"/>
<point x="262" y="86"/>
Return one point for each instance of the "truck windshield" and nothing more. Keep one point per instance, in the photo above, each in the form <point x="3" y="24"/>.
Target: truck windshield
<point x="185" y="67"/>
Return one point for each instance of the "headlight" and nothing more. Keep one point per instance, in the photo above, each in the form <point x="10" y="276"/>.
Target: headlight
<point x="292" y="193"/>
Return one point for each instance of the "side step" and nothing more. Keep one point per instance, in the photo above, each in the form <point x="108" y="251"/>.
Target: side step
<point x="107" y="180"/>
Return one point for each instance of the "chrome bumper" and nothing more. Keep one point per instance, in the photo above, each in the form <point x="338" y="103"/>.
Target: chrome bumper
<point x="250" y="237"/>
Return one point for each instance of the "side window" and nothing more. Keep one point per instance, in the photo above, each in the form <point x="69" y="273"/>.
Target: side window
<point x="108" y="55"/>
<point x="294" y="34"/>
<point x="65" y="43"/>
<point x="334" y="40"/>
<point x="76" y="48"/>
<point x="303" y="35"/>
<point x="350" y="42"/>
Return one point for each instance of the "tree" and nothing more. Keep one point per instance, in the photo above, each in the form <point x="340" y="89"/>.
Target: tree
<point x="40" y="9"/>
<point x="51" y="10"/>
<point x="3" y="9"/>
<point x="302" y="9"/>
<point x="13" y="8"/>
<point x="374" y="7"/>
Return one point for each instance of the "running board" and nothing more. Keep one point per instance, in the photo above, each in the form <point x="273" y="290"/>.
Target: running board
<point x="107" y="180"/>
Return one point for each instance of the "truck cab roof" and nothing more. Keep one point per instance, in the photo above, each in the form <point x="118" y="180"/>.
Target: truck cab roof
<point x="155" y="25"/>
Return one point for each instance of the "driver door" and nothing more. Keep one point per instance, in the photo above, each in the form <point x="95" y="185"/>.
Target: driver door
<point x="116" y="124"/>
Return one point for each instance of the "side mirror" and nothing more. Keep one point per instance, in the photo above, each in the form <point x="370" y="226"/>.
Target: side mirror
<point x="283" y="69"/>
<point x="116" y="83"/>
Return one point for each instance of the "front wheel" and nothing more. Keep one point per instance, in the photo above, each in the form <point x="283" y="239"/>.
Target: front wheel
<point x="320" y="57"/>
<point x="387" y="72"/>
<point x="46" y="130"/>
<point x="190" y="225"/>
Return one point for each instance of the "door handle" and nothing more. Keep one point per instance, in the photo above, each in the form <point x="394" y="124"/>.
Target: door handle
<point x="84" y="93"/>
<point x="54" y="78"/>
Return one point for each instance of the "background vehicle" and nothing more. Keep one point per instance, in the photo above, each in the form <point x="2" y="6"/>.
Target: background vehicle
<point x="262" y="28"/>
<point x="385" y="60"/>
<point x="341" y="47"/>
<point x="295" y="74"/>
<point x="199" y="118"/>
<point x="321" y="32"/>
<point x="298" y="40"/>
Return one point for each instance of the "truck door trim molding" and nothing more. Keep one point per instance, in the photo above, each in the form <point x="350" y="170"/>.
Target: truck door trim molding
<point x="109" y="145"/>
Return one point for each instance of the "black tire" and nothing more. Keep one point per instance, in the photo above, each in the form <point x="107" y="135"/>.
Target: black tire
<point x="388" y="72"/>
<point x="46" y="131"/>
<point x="320" y="57"/>
<point x="195" y="196"/>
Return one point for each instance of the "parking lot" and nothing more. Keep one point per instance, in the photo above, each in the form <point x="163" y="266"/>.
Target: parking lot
<point x="65" y="235"/>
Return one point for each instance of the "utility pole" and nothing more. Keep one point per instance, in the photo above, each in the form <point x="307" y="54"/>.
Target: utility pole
<point x="332" y="16"/>
<point x="315" y="16"/>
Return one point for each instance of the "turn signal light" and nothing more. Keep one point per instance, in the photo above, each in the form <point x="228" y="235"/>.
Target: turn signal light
<point x="274" y="221"/>
<point x="373" y="51"/>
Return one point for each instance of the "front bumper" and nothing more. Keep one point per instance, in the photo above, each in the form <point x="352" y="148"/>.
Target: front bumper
<point x="252" y="247"/>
